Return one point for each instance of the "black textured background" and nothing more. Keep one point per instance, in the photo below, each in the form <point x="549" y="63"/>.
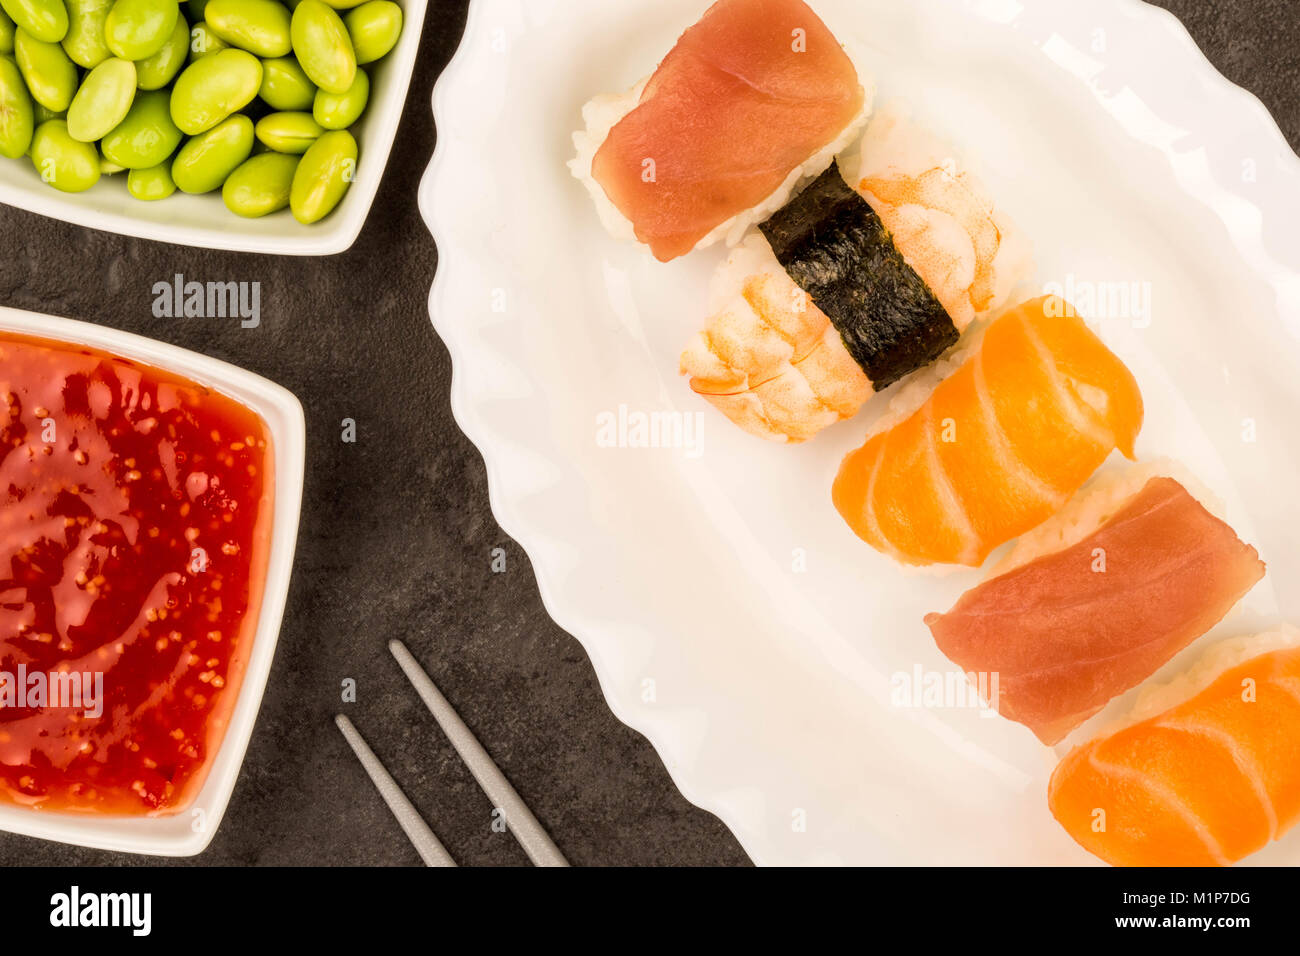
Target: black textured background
<point x="397" y="533"/>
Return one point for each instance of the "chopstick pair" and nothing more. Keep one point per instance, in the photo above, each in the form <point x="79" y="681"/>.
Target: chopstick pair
<point x="518" y="818"/>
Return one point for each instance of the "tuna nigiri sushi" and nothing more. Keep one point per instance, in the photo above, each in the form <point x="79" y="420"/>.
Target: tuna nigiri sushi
<point x="998" y="447"/>
<point x="844" y="292"/>
<point x="754" y="98"/>
<point x="1207" y="772"/>
<point x="1104" y="607"/>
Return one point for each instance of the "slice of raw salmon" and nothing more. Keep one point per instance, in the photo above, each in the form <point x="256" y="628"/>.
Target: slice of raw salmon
<point x="998" y="447"/>
<point x="1205" y="783"/>
<point x="1069" y="631"/>
<point x="748" y="95"/>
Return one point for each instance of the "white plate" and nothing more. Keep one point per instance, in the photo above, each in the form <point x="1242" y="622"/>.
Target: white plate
<point x="186" y="834"/>
<point x="204" y="221"/>
<point x="1125" y="157"/>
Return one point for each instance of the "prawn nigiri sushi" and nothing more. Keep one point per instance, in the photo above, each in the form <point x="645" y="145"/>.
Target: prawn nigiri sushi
<point x="871" y="273"/>
<point x="1206" y="772"/>
<point x="1096" y="600"/>
<point x="998" y="447"/>
<point x="754" y="98"/>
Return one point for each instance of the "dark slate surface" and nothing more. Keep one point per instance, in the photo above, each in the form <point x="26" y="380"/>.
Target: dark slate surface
<point x="398" y="534"/>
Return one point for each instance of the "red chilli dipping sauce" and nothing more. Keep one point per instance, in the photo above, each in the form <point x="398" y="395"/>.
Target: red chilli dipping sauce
<point x="133" y="545"/>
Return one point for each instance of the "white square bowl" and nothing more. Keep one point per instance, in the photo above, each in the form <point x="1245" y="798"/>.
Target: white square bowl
<point x="204" y="221"/>
<point x="184" y="834"/>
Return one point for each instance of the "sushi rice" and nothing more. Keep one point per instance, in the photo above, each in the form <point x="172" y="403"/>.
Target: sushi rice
<point x="1094" y="505"/>
<point x="602" y="113"/>
<point x="1156" y="697"/>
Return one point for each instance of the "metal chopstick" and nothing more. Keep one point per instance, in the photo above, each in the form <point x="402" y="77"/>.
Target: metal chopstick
<point x="518" y="818"/>
<point x="417" y="831"/>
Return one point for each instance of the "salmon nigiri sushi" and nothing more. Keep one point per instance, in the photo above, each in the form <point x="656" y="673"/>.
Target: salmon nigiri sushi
<point x="1207" y="773"/>
<point x="753" y="99"/>
<point x="998" y="447"/>
<point x="1096" y="600"/>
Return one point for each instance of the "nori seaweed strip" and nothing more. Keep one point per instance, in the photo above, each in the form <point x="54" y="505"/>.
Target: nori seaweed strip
<point x="834" y="246"/>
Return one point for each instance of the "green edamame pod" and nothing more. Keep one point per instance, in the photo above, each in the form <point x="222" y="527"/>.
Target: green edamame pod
<point x="323" y="47"/>
<point x="50" y="75"/>
<point x="152" y="184"/>
<point x="375" y="27"/>
<point x="161" y="68"/>
<point x="324" y="175"/>
<point x="288" y="132"/>
<point x="203" y="42"/>
<point x="213" y="87"/>
<point x="258" y="26"/>
<point x="261" y="186"/>
<point x="285" y="86"/>
<point x="147" y="136"/>
<point x="204" y="162"/>
<point x="46" y="20"/>
<point x="43" y="114"/>
<point x="84" y="42"/>
<point x="7" y="29"/>
<point x="17" y="119"/>
<point x="137" y="29"/>
<point x="103" y="100"/>
<point x="68" y="165"/>
<point x="109" y="168"/>
<point x="343" y="4"/>
<point x="339" y="111"/>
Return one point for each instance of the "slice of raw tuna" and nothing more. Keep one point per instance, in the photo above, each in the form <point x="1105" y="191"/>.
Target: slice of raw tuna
<point x="1069" y="631"/>
<point x="748" y="95"/>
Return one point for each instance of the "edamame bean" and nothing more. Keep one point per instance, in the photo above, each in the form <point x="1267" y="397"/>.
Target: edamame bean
<point x="152" y="184"/>
<point x="84" y="42"/>
<point x="46" y="20"/>
<point x="161" y="68"/>
<point x="103" y="100"/>
<point x="213" y="87"/>
<point x="150" y="81"/>
<point x="323" y="47"/>
<point x="203" y="42"/>
<point x="147" y="136"/>
<point x="137" y="29"/>
<point x="288" y="132"/>
<point x="324" y="175"/>
<point x="258" y="26"/>
<point x="285" y="86"/>
<point x="375" y="27"/>
<point x="7" y="29"/>
<point x="50" y="75"/>
<point x="68" y="165"/>
<point x="261" y="186"/>
<point x="335" y="111"/>
<point x="17" y="121"/>
<point x="205" y="161"/>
